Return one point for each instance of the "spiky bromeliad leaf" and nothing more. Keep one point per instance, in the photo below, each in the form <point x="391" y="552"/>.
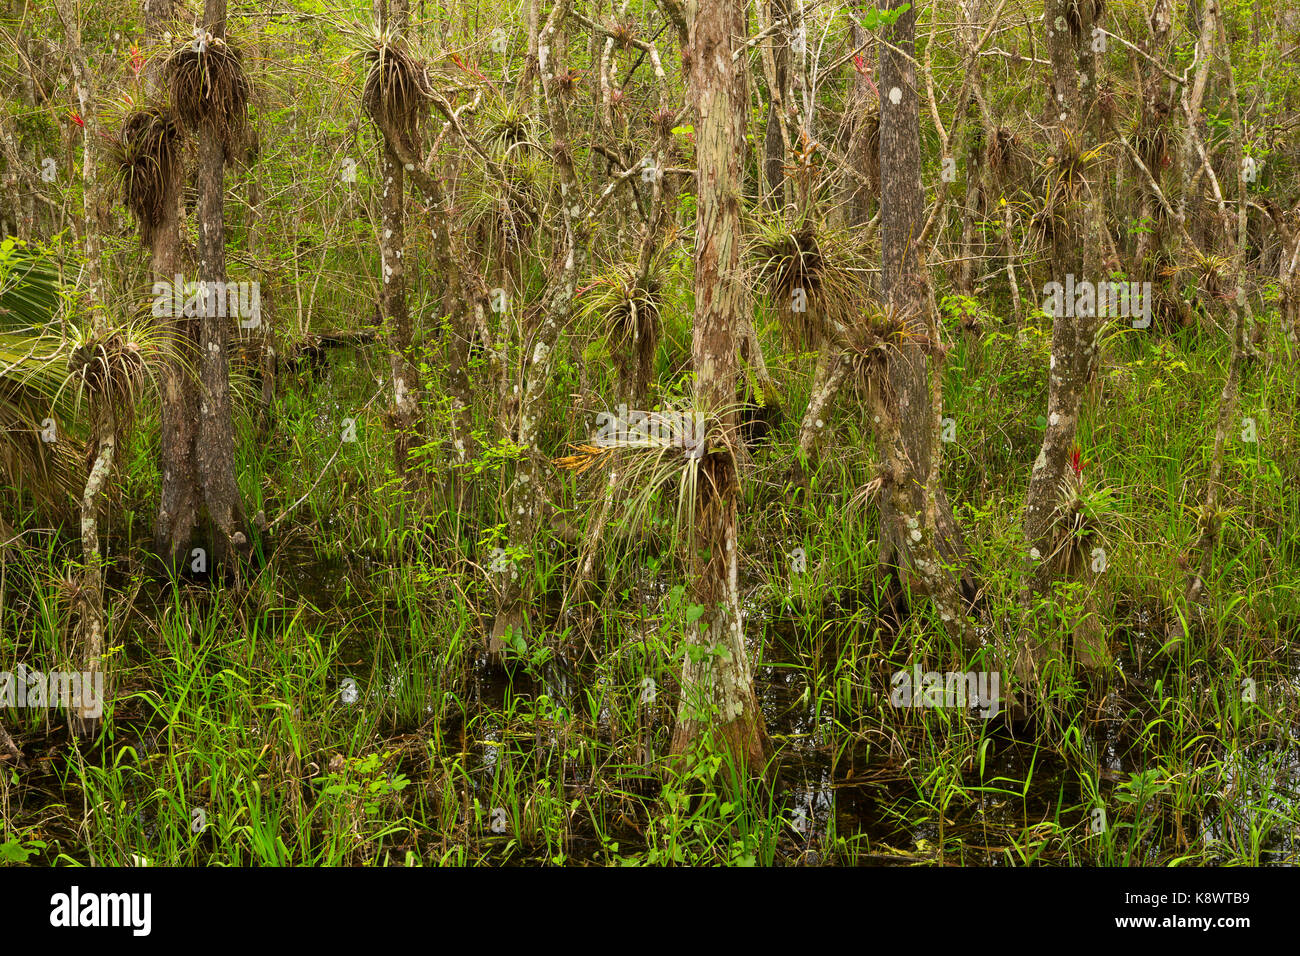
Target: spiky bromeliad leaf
<point x="397" y="84"/>
<point x="660" y="455"/>
<point x="812" y="277"/>
<point x="119" y="364"/>
<point x="205" y="76"/>
<point x="876" y="334"/>
<point x="502" y="217"/>
<point x="46" y="374"/>
<point x="147" y="158"/>
<point x="629" y="310"/>
<point x="1084" y="514"/>
<point x="506" y="129"/>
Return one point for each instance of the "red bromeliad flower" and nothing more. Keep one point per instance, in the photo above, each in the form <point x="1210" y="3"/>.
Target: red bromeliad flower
<point x="861" y="66"/>
<point x="455" y="58"/>
<point x="1076" y="462"/>
<point x="137" y="60"/>
<point x="72" y="115"/>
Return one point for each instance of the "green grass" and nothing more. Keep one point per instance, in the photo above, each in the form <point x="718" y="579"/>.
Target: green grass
<point x="226" y="706"/>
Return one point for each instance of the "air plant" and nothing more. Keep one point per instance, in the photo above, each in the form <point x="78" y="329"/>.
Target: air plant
<point x="1083" y="513"/>
<point x="623" y="33"/>
<point x="397" y="86"/>
<point x="500" y="217"/>
<point x="1150" y="137"/>
<point x="1170" y="308"/>
<point x="208" y="86"/>
<point x="1006" y="158"/>
<point x="146" y="154"/>
<point x="112" y="368"/>
<point x="811" y="275"/>
<point x="1071" y="164"/>
<point x="35" y="452"/>
<point x="663" y="120"/>
<point x="137" y="60"/>
<point x="1077" y="463"/>
<point x="628" y="308"/>
<point x="1211" y="273"/>
<point x="505" y="128"/>
<point x="870" y="341"/>
<point x="805" y="166"/>
<point x="869" y="133"/>
<point x="566" y="84"/>
<point x="116" y="365"/>
<point x="504" y="215"/>
<point x="1066" y="174"/>
<point x="670" y="448"/>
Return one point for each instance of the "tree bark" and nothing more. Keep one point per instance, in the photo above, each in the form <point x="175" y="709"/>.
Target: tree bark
<point x="526" y="501"/>
<point x="463" y="290"/>
<point x="180" y="501"/>
<point x="776" y="140"/>
<point x="91" y="625"/>
<point x="717" y="688"/>
<point x="829" y="375"/>
<point x="866" y="161"/>
<point x="214" y="449"/>
<point x="918" y="534"/>
<point x="1075" y="338"/>
<point x="404" y="415"/>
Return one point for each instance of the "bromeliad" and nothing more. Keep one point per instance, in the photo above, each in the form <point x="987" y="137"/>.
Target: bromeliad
<point x="1077" y="463"/>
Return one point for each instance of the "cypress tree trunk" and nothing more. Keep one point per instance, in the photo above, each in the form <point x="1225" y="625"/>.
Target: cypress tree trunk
<point x="214" y="449"/>
<point x="180" y="501"/>
<point x="91" y="604"/>
<point x="198" y="439"/>
<point x="717" y="688"/>
<point x="1077" y="243"/>
<point x="918" y="534"/>
<point x="392" y="244"/>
